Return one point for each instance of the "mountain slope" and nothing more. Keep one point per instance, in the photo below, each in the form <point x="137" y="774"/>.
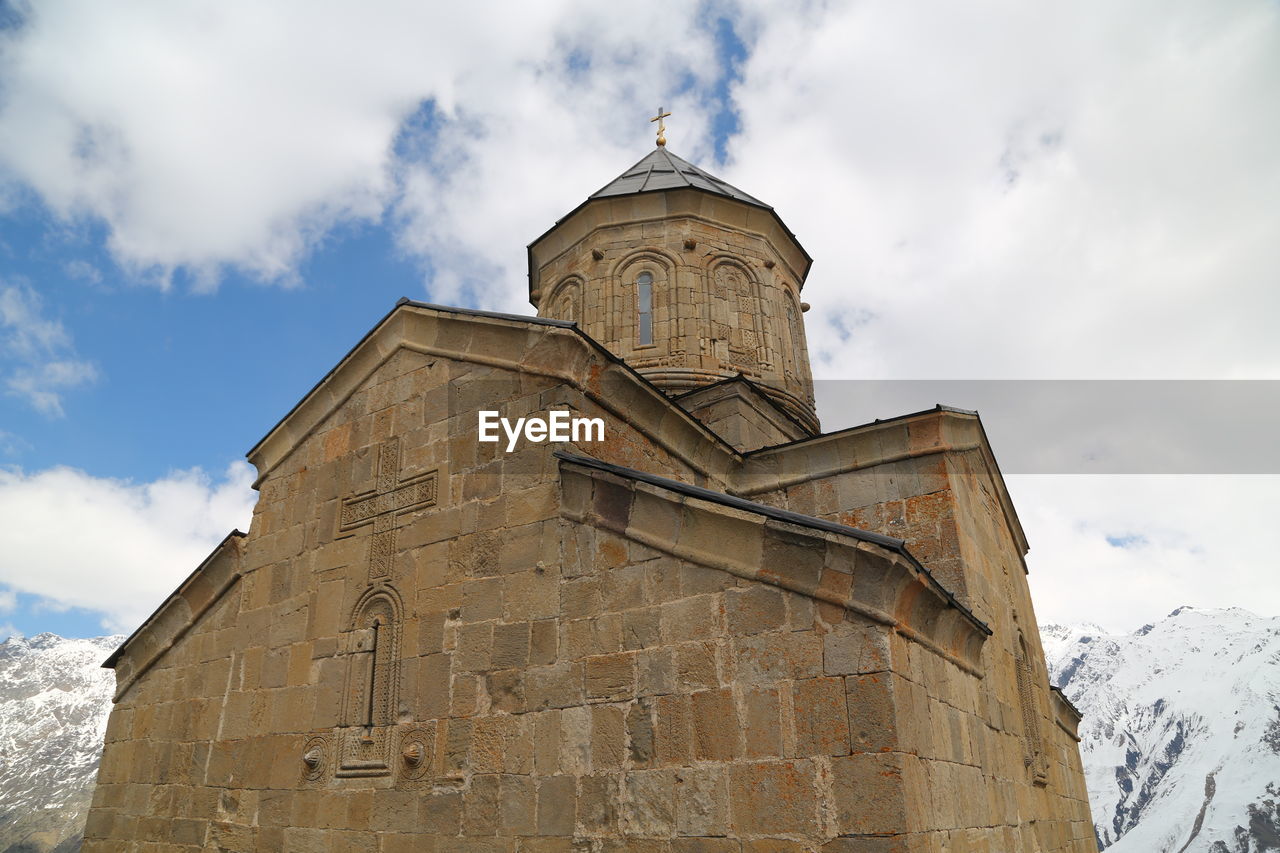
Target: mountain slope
<point x="54" y="702"/>
<point x="1181" y="734"/>
<point x="1180" y="740"/>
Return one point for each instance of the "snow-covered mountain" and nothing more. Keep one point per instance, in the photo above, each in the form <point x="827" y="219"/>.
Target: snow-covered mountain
<point x="1181" y="732"/>
<point x="54" y="702"/>
<point x="1180" y="739"/>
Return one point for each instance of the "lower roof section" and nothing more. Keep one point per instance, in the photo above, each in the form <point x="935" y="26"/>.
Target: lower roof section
<point x="863" y="572"/>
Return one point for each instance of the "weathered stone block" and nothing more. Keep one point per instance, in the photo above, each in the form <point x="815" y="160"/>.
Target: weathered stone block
<point x="517" y="807"/>
<point x="821" y="717"/>
<point x="611" y="677"/>
<point x="696" y="618"/>
<point x="702" y="802"/>
<point x="608" y="738"/>
<point x="755" y="608"/>
<point x="557" y="805"/>
<point x="872" y="712"/>
<point x="696" y="667"/>
<point x="773" y="798"/>
<point x="640" y="740"/>
<point x="480" y="805"/>
<point x="672" y="730"/>
<point x="869" y="795"/>
<point x="556" y="686"/>
<point x="715" y="725"/>
<point x="649" y="803"/>
<point x="510" y="646"/>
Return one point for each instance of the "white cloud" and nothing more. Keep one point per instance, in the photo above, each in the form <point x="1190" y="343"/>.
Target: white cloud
<point x="45" y="364"/>
<point x="1028" y="190"/>
<point x="1038" y="190"/>
<point x="113" y="546"/>
<point x="28" y="334"/>
<point x="242" y="132"/>
<point x="1124" y="551"/>
<point x="83" y="270"/>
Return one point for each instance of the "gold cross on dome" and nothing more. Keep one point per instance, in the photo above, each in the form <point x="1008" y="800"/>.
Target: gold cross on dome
<point x="662" y="128"/>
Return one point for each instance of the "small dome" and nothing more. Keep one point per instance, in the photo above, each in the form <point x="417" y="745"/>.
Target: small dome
<point x="662" y="170"/>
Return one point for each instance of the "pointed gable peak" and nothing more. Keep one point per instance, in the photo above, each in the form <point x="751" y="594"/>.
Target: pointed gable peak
<point x="662" y="170"/>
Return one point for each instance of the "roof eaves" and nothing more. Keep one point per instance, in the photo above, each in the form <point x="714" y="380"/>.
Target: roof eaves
<point x="898" y="546"/>
<point x="516" y="318"/>
<point x="937" y="408"/>
<point x="110" y="662"/>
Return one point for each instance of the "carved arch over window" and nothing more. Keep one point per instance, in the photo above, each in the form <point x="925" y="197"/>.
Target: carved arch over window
<point x="641" y="298"/>
<point x="565" y="301"/>
<point x="373" y="660"/>
<point x="1032" y="742"/>
<point x="795" y="341"/>
<point x="737" y="313"/>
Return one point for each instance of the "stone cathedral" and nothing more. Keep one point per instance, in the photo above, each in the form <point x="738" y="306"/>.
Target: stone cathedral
<point x="704" y="625"/>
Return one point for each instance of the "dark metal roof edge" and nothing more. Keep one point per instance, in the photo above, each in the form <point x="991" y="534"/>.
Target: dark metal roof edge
<point x="1072" y="705"/>
<point x="497" y="315"/>
<point x="679" y="167"/>
<point x="110" y="662"/>
<point x="403" y="300"/>
<point x="754" y="202"/>
<point x="937" y="408"/>
<point x="804" y="276"/>
<point x="898" y="546"/>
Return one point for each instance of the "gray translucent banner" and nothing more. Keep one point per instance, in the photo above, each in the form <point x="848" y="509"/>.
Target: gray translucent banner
<point x="1089" y="426"/>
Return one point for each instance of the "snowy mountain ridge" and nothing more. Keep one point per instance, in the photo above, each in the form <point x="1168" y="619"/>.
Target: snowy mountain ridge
<point x="1181" y="733"/>
<point x="54" y="702"/>
<point x="1180" y="738"/>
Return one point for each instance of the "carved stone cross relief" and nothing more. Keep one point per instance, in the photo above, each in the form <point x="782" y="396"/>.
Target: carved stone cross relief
<point x="380" y="507"/>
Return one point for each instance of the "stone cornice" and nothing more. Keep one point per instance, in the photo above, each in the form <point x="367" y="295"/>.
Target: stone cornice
<point x="862" y="576"/>
<point x="1065" y="714"/>
<point x="940" y="430"/>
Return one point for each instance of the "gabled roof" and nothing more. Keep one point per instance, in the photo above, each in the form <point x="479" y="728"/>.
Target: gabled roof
<point x="557" y="349"/>
<point x="662" y="170"/>
<point x="162" y="630"/>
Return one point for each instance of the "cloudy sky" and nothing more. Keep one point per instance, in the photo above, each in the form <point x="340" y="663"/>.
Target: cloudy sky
<point x="204" y="205"/>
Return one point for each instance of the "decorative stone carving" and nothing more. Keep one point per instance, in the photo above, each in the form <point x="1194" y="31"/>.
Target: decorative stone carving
<point x="566" y="301"/>
<point x="382" y="506"/>
<point x="415" y="755"/>
<point x="373" y="684"/>
<point x="315" y="758"/>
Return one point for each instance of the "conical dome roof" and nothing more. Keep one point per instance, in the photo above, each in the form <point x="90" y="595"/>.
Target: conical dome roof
<point x="662" y="170"/>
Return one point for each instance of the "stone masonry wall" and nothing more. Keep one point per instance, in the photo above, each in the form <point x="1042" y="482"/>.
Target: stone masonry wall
<point x="433" y="646"/>
<point x="970" y="739"/>
<point x="723" y="300"/>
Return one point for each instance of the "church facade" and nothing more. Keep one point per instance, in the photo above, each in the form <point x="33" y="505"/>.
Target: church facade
<point x="706" y="626"/>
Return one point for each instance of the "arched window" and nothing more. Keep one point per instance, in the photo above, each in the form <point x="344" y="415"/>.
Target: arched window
<point x="566" y="301"/>
<point x="737" y="315"/>
<point x="370" y="706"/>
<point x="791" y="356"/>
<point x="644" y="309"/>
<point x="372" y="667"/>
